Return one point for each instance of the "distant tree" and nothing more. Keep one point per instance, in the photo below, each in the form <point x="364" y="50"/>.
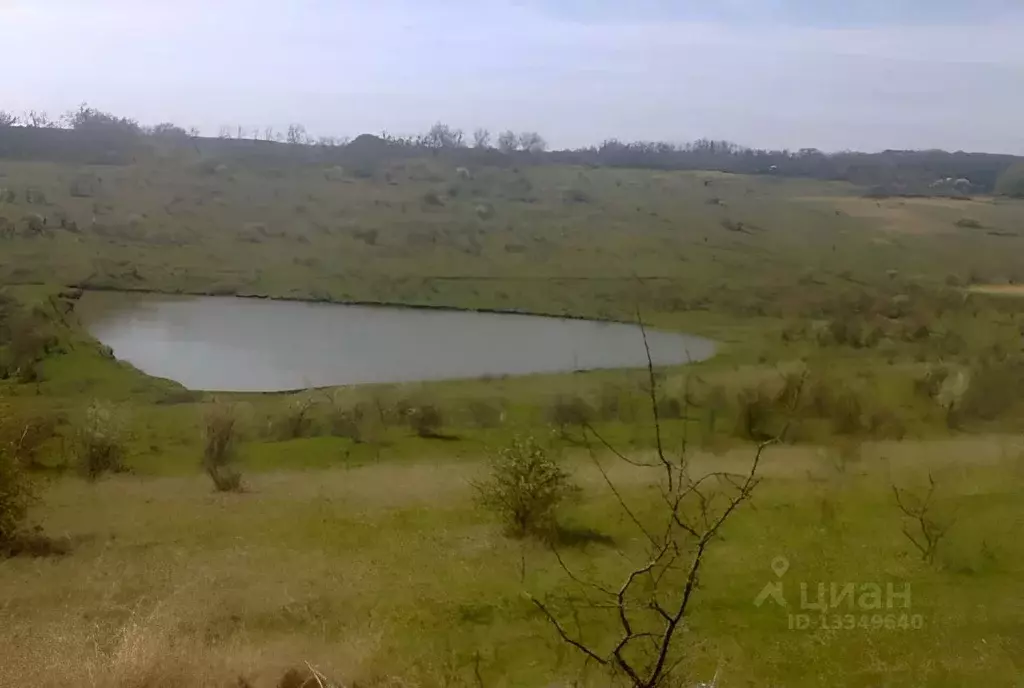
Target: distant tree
<point x="8" y="119"/>
<point x="193" y="132"/>
<point x="532" y="142"/>
<point x="1011" y="182"/>
<point x="481" y="138"/>
<point x="92" y="120"/>
<point x="225" y="132"/>
<point x="167" y="130"/>
<point x="443" y="136"/>
<point x="508" y="141"/>
<point x="37" y="120"/>
<point x="268" y="134"/>
<point x="297" y="134"/>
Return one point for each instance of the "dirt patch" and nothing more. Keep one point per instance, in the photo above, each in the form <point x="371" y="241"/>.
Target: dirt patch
<point x="893" y="215"/>
<point x="998" y="289"/>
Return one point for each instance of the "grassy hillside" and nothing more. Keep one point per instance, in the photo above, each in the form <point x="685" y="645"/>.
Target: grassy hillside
<point x="358" y="546"/>
<point x="542" y="238"/>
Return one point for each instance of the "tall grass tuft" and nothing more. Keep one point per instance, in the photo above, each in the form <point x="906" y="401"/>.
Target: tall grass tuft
<point x="220" y="446"/>
<point x="98" y="443"/>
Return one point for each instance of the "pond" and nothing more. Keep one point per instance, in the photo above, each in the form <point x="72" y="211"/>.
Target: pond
<point x="214" y="343"/>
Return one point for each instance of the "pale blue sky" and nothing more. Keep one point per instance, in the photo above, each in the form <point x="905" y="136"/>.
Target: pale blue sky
<point x="833" y="74"/>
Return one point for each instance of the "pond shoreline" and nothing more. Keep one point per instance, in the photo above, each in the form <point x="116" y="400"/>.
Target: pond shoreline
<point x="371" y="303"/>
<point x="181" y="333"/>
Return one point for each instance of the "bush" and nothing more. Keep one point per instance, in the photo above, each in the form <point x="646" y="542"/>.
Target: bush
<point x="568" y="412"/>
<point x="98" y="442"/>
<point x="989" y="391"/>
<point x="756" y="417"/>
<point x="26" y="436"/>
<point x="525" y="488"/>
<point x="485" y="415"/>
<point x="34" y="223"/>
<point x="16" y="495"/>
<point x="220" y="445"/>
<point x="425" y="420"/>
<point x="432" y="199"/>
<point x="296" y="421"/>
<point x="348" y="422"/>
<point x="83" y="186"/>
<point x="576" y="196"/>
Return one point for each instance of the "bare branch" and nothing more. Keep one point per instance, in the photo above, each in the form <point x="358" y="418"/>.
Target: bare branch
<point x="619" y="498"/>
<point x="565" y="636"/>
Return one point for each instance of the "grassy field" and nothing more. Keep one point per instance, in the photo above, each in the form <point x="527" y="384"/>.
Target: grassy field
<point x="389" y="575"/>
<point x="358" y="547"/>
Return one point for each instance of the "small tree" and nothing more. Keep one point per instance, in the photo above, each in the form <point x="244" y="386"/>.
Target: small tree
<point x="532" y="142"/>
<point x="923" y="527"/>
<point x="8" y="119"/>
<point x="426" y="420"/>
<point x="37" y="120"/>
<point x="569" y="412"/>
<point x="297" y="134"/>
<point x="508" y="141"/>
<point x="168" y="130"/>
<point x="296" y="421"/>
<point x="220" y="445"/>
<point x="650" y="602"/>
<point x="443" y="136"/>
<point x="481" y="138"/>
<point x="99" y="441"/>
<point x="92" y="120"/>
<point x="525" y="487"/>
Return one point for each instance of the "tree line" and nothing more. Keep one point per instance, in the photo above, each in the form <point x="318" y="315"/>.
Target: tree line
<point x="890" y="172"/>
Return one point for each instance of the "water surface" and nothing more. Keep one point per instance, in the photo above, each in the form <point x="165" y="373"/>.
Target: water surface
<point x="259" y="345"/>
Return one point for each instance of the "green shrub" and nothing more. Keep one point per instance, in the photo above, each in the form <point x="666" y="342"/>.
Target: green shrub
<point x="348" y="421"/>
<point x="525" y="488"/>
<point x="569" y="412"/>
<point x="425" y="420"/>
<point x="296" y="420"/>
<point x="485" y="415"/>
<point x="98" y="442"/>
<point x="220" y="445"/>
<point x="992" y="389"/>
<point x="756" y="415"/>
<point x="670" y="408"/>
<point x="432" y="199"/>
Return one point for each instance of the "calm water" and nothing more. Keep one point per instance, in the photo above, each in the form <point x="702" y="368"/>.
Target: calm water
<point x="255" y="345"/>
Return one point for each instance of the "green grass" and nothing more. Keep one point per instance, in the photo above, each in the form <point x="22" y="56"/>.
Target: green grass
<point x="370" y="559"/>
<point x="390" y="570"/>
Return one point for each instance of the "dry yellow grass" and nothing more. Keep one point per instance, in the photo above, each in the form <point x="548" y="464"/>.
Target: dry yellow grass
<point x="998" y="289"/>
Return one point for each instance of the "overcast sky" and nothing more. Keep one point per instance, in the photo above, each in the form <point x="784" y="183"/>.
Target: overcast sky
<point x="832" y="74"/>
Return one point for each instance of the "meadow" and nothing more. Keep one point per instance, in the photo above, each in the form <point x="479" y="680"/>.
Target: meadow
<point x="358" y="546"/>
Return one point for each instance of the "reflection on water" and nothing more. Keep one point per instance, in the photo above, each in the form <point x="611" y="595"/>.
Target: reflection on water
<point x="237" y="344"/>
